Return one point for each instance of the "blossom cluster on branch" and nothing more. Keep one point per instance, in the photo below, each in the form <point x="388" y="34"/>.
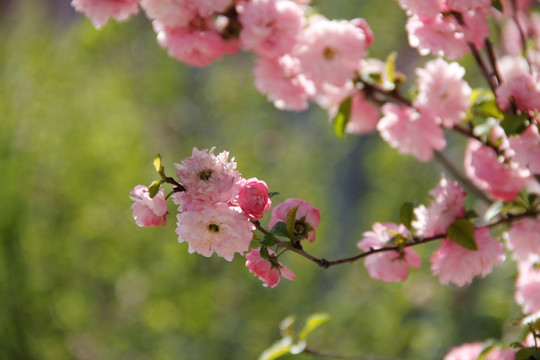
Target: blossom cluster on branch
<point x="303" y="57"/>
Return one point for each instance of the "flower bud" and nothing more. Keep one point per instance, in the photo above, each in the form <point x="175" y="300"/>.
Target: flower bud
<point x="253" y="198"/>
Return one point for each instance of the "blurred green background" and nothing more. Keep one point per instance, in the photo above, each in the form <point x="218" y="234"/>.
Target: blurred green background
<point x="82" y="114"/>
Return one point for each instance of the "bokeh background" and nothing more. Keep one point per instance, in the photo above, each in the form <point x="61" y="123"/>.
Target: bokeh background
<point x="83" y="113"/>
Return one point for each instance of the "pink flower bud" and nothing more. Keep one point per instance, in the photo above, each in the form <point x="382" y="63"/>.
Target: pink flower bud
<point x="253" y="198"/>
<point x="265" y="270"/>
<point x="148" y="211"/>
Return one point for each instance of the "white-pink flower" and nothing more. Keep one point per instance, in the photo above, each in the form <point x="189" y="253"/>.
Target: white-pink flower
<point x="388" y="266"/>
<point x="467" y="5"/>
<point x="215" y="228"/>
<point x="253" y="198"/>
<point x="439" y="35"/>
<point x="524" y="239"/>
<point x="455" y="264"/>
<point x="526" y="148"/>
<point x="282" y="82"/>
<point x="364" y="116"/>
<point x="528" y="288"/>
<point x="442" y="92"/>
<point x="270" y="27"/>
<point x="148" y="211"/>
<point x="410" y="132"/>
<point x="426" y="8"/>
<point x="307" y="217"/>
<point x="208" y="177"/>
<point x="471" y="351"/>
<point x="502" y="181"/>
<point x="447" y="206"/>
<point x="171" y="13"/>
<point x="100" y="11"/>
<point x="266" y="270"/>
<point x="330" y="51"/>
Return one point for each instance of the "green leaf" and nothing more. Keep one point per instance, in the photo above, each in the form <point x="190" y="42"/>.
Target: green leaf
<point x="272" y="194"/>
<point x="278" y="349"/>
<point x="158" y="166"/>
<point x="461" y="232"/>
<point x="514" y="124"/>
<point x="527" y="354"/>
<point x="154" y="188"/>
<point x="268" y="240"/>
<point x="488" y="108"/>
<point x="313" y="322"/>
<point x="471" y="214"/>
<point x="291" y="220"/>
<point x="488" y="346"/>
<point x="517" y="345"/>
<point x="497" y="4"/>
<point x="342" y="117"/>
<point x="280" y="229"/>
<point x="264" y="252"/>
<point x="406" y="214"/>
<point x="390" y="66"/>
<point x="495" y="209"/>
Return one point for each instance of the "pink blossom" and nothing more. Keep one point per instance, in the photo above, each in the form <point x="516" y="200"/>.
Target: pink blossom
<point x="523" y="90"/>
<point x="426" y="8"/>
<point x="209" y="178"/>
<point x="439" y="35"/>
<point x="528" y="288"/>
<point x="330" y="51"/>
<point x="194" y="46"/>
<point x="467" y="5"/>
<point x="270" y="27"/>
<point x="443" y="94"/>
<point x="456" y="264"/>
<point x="471" y="351"/>
<point x="524" y="238"/>
<point x="269" y="272"/>
<point x="526" y="149"/>
<point x="410" y="132"/>
<point x="171" y="13"/>
<point x="476" y="28"/>
<point x="281" y="81"/>
<point x="215" y="228"/>
<point x="148" y="211"/>
<point x="364" y="116"/>
<point x="100" y="11"/>
<point x="207" y="8"/>
<point x="307" y="217"/>
<point x="388" y="266"/>
<point x="253" y="198"/>
<point x="448" y="205"/>
<point x="502" y="181"/>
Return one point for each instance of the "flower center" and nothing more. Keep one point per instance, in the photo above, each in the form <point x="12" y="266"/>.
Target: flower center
<point x="299" y="228"/>
<point x="329" y="53"/>
<point x="205" y="175"/>
<point x="213" y="228"/>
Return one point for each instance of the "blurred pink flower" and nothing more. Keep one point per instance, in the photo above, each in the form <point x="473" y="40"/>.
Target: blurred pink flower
<point x="443" y="94"/>
<point x="171" y="13"/>
<point x="208" y="177"/>
<point x="388" y="266"/>
<point x="447" y="206"/>
<point x="410" y="132"/>
<point x="472" y="351"/>
<point x="148" y="211"/>
<point x="217" y="228"/>
<point x="100" y="11"/>
<point x="253" y="198"/>
<point x="528" y="288"/>
<point x="524" y="239"/>
<point x="425" y="8"/>
<point x="502" y="181"/>
<point x="466" y="5"/>
<point x="307" y="216"/>
<point x="364" y="116"/>
<point x="455" y="264"/>
<point x="526" y="147"/>
<point x="270" y="27"/>
<point x="265" y="270"/>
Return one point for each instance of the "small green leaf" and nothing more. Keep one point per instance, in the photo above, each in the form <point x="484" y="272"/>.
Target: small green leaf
<point x="495" y="209"/>
<point x="497" y="4"/>
<point x="313" y="322"/>
<point x="291" y="220"/>
<point x="461" y="232"/>
<point x="280" y="229"/>
<point x="471" y="214"/>
<point x="272" y="194"/>
<point x="154" y="188"/>
<point x="286" y="326"/>
<point x="406" y="214"/>
<point x="517" y="345"/>
<point x="278" y="349"/>
<point x="342" y="117"/>
<point x="158" y="166"/>
<point x="264" y="252"/>
<point x="526" y="354"/>
<point x="514" y="124"/>
<point x="268" y="240"/>
<point x="390" y="66"/>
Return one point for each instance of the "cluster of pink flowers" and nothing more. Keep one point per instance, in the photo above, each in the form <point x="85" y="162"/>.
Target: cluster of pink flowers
<point x="217" y="210"/>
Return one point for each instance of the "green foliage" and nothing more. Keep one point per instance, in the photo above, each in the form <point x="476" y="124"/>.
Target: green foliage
<point x="342" y="117"/>
<point x="461" y="232"/>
